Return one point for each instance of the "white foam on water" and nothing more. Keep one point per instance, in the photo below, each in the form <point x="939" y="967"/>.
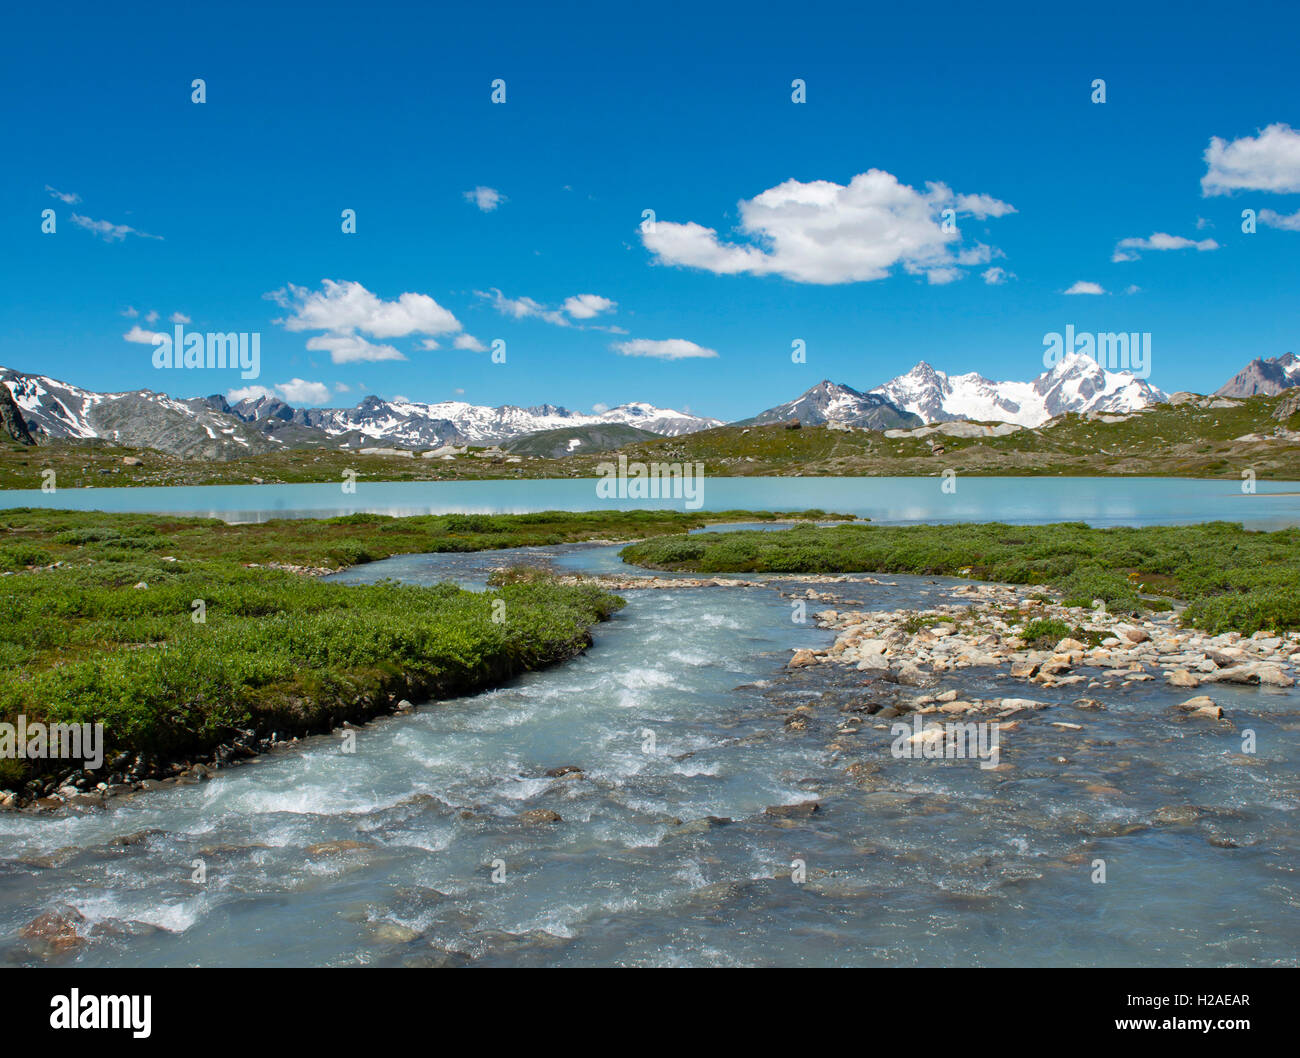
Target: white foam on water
<point x="691" y="770"/>
<point x="648" y="678"/>
<point x="317" y="800"/>
<point x="519" y="789"/>
<point x="141" y="906"/>
<point x="694" y="658"/>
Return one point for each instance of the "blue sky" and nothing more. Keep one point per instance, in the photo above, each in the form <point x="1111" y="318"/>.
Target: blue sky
<point x="683" y="109"/>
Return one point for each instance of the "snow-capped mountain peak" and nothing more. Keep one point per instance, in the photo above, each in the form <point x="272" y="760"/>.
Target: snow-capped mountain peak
<point x="832" y="402"/>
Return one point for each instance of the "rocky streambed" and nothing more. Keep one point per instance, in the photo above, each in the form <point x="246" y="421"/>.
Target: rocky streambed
<point x="986" y="630"/>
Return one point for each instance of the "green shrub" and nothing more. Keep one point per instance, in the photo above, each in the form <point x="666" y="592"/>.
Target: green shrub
<point x="1043" y="632"/>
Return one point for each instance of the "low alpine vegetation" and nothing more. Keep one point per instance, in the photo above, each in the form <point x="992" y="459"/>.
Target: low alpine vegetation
<point x="1231" y="579"/>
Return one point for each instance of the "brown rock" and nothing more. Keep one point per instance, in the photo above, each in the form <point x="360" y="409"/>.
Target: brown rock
<point x="540" y="815"/>
<point x="55" y="930"/>
<point x="803" y="809"/>
<point x="332" y="848"/>
<point x="801" y="659"/>
<point x="563" y="770"/>
<point x="1202" y="705"/>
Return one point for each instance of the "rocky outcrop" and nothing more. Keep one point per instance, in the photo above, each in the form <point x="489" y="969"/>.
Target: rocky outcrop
<point x="1288" y="406"/>
<point x="911" y="647"/>
<point x="13" y="426"/>
<point x="1261" y="376"/>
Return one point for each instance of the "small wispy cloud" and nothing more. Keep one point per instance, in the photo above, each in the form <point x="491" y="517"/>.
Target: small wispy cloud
<point x="108" y="231"/>
<point x="665" y="349"/>
<point x="70" y="198"/>
<point x="1278" y="220"/>
<point x="1085" y="287"/>
<point x="1131" y="249"/>
<point x="577" y="307"/>
<point x="485" y="198"/>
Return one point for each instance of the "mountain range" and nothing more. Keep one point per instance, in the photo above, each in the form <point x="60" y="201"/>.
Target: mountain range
<point x="214" y="428"/>
<point x="1076" y="384"/>
<point x="413" y="425"/>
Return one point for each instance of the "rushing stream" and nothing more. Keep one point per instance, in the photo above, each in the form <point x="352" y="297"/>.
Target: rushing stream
<point x="412" y="849"/>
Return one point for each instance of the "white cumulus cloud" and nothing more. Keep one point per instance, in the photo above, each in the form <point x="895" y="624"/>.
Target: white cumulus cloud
<point x="587" y="306"/>
<point x="352" y="349"/>
<point x="300" y="391"/>
<point x="248" y="393"/>
<point x="1267" y="162"/>
<point x="1085" y="287"/>
<point x="140" y="336"/>
<point x="824" y="232"/>
<point x="347" y="312"/>
<point x="348" y="306"/>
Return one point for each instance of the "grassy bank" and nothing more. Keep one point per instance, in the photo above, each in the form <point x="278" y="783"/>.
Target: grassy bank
<point x="1231" y="579"/>
<point x="109" y="634"/>
<point x="34" y="537"/>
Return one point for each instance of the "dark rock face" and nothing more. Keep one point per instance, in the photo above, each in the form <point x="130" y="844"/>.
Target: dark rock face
<point x="1267" y="377"/>
<point x="12" y="424"/>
